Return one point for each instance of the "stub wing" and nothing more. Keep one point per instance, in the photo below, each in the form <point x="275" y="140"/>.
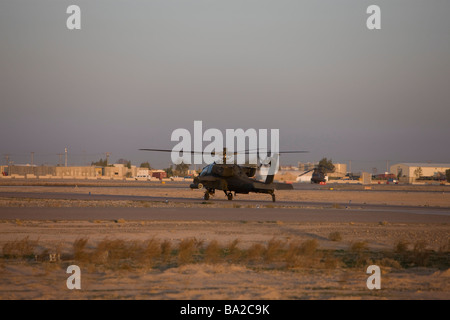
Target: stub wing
<point x="273" y="186"/>
<point x="283" y="186"/>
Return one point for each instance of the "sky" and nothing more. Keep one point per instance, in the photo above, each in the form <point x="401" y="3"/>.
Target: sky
<point x="138" y="70"/>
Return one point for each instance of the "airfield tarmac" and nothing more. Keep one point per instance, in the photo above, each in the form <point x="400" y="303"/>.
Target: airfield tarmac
<point x="59" y="213"/>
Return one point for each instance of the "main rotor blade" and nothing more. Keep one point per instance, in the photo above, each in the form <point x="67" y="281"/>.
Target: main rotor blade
<point x="307" y="171"/>
<point x="166" y="150"/>
<point x="269" y="151"/>
<point x="255" y="151"/>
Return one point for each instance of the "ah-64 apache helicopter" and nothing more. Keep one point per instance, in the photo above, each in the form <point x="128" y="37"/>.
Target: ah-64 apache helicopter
<point x="233" y="177"/>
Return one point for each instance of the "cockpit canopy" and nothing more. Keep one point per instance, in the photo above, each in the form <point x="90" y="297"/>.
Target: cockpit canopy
<point x="207" y="170"/>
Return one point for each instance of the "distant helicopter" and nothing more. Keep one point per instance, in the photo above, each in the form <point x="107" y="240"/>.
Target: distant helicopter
<point x="233" y="178"/>
<point x="319" y="174"/>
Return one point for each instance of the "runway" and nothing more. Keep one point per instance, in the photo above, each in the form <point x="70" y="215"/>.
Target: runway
<point x="217" y="199"/>
<point x="288" y="211"/>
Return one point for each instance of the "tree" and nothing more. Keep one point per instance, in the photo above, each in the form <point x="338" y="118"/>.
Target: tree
<point x="100" y="163"/>
<point x="326" y="165"/>
<point x="399" y="174"/>
<point x="145" y="165"/>
<point x="169" y="171"/>
<point x="181" y="169"/>
<point x="126" y="163"/>
<point x="447" y="174"/>
<point x="418" y="172"/>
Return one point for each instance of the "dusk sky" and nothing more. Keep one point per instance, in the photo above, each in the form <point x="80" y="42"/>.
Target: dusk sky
<point x="137" y="70"/>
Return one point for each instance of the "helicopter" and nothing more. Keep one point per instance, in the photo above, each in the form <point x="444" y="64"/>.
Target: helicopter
<point x="318" y="175"/>
<point x="234" y="178"/>
<point x="319" y="172"/>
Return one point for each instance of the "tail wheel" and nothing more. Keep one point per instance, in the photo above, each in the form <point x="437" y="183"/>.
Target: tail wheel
<point x="206" y="196"/>
<point x="273" y="197"/>
<point x="230" y="196"/>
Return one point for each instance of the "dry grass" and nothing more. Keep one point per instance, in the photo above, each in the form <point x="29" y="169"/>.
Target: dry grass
<point x="389" y="262"/>
<point x="187" y="250"/>
<point x="293" y="255"/>
<point x="232" y="252"/>
<point x="359" y="246"/>
<point x="335" y="236"/>
<point x="255" y="253"/>
<point x="80" y="252"/>
<point x="445" y="246"/>
<point x="401" y="246"/>
<point x="120" y="254"/>
<point x="153" y="250"/>
<point x="274" y="250"/>
<point x="166" y="251"/>
<point x="421" y="255"/>
<point x="21" y="249"/>
<point x="359" y="255"/>
<point x="213" y="252"/>
<point x="309" y="247"/>
<point x="303" y="254"/>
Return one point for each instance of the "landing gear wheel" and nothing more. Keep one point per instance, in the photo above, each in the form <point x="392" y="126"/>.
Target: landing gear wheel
<point x="230" y="196"/>
<point x="273" y="197"/>
<point x="206" y="196"/>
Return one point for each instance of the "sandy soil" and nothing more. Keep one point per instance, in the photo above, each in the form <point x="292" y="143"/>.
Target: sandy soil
<point x="47" y="280"/>
<point x="222" y="282"/>
<point x="29" y="279"/>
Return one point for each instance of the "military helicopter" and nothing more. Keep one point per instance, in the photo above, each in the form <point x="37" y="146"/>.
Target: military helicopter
<point x="234" y="178"/>
<point x="319" y="173"/>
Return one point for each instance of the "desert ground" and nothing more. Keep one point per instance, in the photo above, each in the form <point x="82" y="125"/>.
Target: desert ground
<point x="133" y="241"/>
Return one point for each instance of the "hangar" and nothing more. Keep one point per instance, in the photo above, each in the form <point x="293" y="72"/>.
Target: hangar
<point x="414" y="171"/>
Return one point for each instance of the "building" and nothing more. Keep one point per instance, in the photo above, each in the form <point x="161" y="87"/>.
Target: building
<point x="410" y="172"/>
<point x="117" y="171"/>
<point x="159" y="174"/>
<point x="143" y="172"/>
<point x="340" y="170"/>
<point x="288" y="168"/>
<point x="78" y="172"/>
<point x="18" y="170"/>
